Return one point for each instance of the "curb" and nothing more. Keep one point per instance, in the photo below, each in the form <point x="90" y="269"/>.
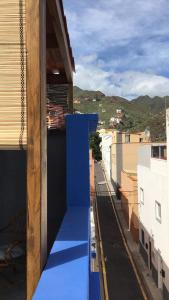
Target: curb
<point x="145" y="285"/>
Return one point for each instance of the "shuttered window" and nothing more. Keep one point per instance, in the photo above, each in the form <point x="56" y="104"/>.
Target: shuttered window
<point x="12" y="74"/>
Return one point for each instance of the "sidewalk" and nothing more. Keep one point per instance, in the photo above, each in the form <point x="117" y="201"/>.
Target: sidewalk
<point x="153" y="293"/>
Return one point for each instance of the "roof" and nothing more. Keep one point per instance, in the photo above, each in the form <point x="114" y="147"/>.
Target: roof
<point x="67" y="35"/>
<point x="60" y="60"/>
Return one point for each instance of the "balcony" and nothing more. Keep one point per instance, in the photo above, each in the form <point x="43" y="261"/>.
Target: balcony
<point x="67" y="274"/>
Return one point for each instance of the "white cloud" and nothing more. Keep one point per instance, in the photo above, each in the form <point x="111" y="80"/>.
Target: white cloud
<point x="121" y="46"/>
<point x="128" y="84"/>
<point x="134" y="84"/>
<point x="99" y="24"/>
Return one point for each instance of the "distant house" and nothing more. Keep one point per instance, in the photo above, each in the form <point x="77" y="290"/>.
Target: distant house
<point x="101" y="122"/>
<point x="120" y="113"/>
<point x="114" y="121"/>
<point x="76" y="101"/>
<point x="77" y="112"/>
<point x="117" y="118"/>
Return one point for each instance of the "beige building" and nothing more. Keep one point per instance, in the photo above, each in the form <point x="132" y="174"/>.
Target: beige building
<point x="124" y="157"/>
<point x="76" y="101"/>
<point x="129" y="202"/>
<point x="124" y="153"/>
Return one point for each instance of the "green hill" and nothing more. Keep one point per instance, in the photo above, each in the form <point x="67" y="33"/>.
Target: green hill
<point x="79" y="93"/>
<point x="140" y="113"/>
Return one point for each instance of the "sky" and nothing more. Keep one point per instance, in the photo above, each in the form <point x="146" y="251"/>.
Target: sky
<point x="121" y="47"/>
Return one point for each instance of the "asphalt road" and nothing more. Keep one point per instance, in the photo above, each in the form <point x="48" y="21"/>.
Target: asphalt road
<point x="121" y="279"/>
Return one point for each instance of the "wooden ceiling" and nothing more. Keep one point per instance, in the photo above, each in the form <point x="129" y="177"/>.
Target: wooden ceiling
<point x="59" y="57"/>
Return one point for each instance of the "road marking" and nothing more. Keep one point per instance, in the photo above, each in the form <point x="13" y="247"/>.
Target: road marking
<point x="102" y="254"/>
<point x="124" y="241"/>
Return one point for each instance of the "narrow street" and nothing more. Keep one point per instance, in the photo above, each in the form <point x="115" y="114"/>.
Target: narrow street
<point x="122" y="283"/>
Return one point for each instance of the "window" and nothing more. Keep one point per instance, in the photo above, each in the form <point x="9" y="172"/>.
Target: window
<point x="155" y="151"/>
<point x="141" y="196"/>
<point x="159" y="152"/>
<point x="127" y="138"/>
<point x="158" y="211"/>
<point x="142" y="237"/>
<point x="163" y="154"/>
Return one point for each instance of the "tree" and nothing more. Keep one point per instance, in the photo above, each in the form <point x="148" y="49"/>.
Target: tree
<point x="95" y="141"/>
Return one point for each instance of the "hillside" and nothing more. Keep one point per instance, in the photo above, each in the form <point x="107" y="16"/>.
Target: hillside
<point x="84" y="94"/>
<point x="140" y="113"/>
<point x="150" y="105"/>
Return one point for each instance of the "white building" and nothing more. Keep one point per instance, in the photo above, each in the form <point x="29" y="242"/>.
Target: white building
<point x="114" y="121"/>
<point x="153" y="195"/>
<point x="118" y="111"/>
<point x="106" y="152"/>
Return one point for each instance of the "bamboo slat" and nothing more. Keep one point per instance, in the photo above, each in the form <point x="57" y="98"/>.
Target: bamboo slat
<point x="13" y="123"/>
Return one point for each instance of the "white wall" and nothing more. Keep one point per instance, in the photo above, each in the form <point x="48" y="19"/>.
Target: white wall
<point x="144" y="155"/>
<point x="155" y="187"/>
<point x="153" y="178"/>
<point x="106" y="152"/>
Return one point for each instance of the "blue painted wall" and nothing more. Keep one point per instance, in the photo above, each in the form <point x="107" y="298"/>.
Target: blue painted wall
<point x="95" y="293"/>
<point x="78" y="129"/>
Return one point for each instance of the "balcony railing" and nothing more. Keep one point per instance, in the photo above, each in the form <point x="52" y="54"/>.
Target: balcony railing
<point x="159" y="152"/>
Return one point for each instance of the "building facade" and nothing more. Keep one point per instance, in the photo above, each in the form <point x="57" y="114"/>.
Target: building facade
<point x="129" y="202"/>
<point x="120" y="158"/>
<point x="124" y="153"/>
<point x="153" y="198"/>
<point x="106" y="144"/>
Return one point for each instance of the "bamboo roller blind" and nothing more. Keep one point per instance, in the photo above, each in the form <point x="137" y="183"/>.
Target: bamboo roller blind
<point x="12" y="74"/>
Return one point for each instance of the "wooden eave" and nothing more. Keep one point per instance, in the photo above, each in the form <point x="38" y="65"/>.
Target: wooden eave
<point x="59" y="53"/>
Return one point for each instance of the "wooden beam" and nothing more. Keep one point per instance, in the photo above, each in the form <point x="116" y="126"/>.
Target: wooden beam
<point x="36" y="146"/>
<point x="51" y="41"/>
<point x="54" y="60"/>
<point x="56" y="79"/>
<point x="58" y="19"/>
